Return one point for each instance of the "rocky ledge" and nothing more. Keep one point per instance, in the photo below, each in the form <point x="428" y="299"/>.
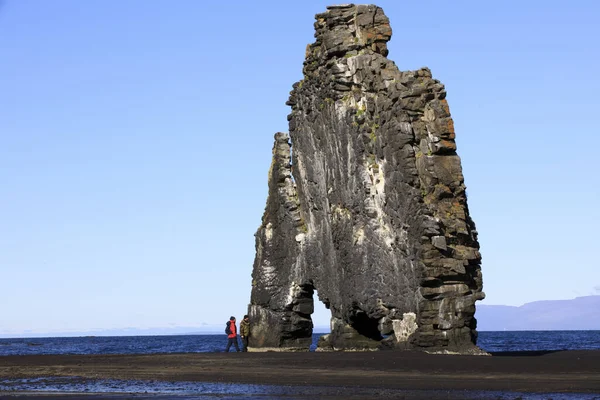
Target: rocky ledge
<point x="366" y="205"/>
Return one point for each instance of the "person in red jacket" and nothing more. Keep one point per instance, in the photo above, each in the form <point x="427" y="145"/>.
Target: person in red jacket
<point x="232" y="335"/>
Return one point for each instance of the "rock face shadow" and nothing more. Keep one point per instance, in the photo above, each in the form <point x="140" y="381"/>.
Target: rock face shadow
<point x="369" y="208"/>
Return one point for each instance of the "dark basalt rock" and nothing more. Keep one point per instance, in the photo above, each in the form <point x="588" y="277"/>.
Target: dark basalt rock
<point x="369" y="208"/>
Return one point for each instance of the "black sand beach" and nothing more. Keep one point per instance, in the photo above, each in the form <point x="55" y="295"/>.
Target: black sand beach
<point x="528" y="372"/>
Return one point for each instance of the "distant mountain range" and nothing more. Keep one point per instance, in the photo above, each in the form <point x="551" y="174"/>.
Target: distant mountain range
<point x="581" y="313"/>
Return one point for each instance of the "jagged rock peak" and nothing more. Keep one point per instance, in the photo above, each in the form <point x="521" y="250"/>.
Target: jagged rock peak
<point x="348" y="28"/>
<point x="367" y="205"/>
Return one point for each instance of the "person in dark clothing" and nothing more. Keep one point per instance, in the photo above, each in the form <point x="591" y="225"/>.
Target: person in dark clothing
<point x="245" y="332"/>
<point x="232" y="336"/>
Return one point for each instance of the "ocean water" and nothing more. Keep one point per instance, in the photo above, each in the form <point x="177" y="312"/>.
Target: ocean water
<point x="488" y="341"/>
<point x="538" y="340"/>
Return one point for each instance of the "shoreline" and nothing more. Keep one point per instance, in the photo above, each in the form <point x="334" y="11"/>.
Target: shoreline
<point x="575" y="371"/>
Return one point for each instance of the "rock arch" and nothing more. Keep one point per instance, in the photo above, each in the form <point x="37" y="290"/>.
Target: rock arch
<point x="375" y="214"/>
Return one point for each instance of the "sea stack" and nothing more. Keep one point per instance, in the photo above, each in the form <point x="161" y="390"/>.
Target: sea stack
<point x="366" y="205"/>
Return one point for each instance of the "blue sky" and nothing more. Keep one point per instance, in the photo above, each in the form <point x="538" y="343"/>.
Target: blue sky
<point x="135" y="140"/>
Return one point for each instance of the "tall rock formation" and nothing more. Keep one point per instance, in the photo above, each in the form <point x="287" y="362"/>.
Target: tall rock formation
<point x="366" y="205"/>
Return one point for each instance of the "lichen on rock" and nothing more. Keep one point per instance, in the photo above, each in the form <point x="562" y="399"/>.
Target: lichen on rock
<point x="369" y="208"/>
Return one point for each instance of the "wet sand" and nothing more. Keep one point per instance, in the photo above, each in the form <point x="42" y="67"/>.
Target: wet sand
<point x="529" y="372"/>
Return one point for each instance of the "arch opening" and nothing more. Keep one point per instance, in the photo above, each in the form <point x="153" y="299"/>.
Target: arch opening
<point x="321" y="316"/>
<point x="321" y="320"/>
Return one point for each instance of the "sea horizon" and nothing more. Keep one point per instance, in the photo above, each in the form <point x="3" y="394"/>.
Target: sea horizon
<point x="215" y="333"/>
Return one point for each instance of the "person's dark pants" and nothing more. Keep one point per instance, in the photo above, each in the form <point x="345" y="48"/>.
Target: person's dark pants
<point x="232" y="341"/>
<point x="245" y="343"/>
